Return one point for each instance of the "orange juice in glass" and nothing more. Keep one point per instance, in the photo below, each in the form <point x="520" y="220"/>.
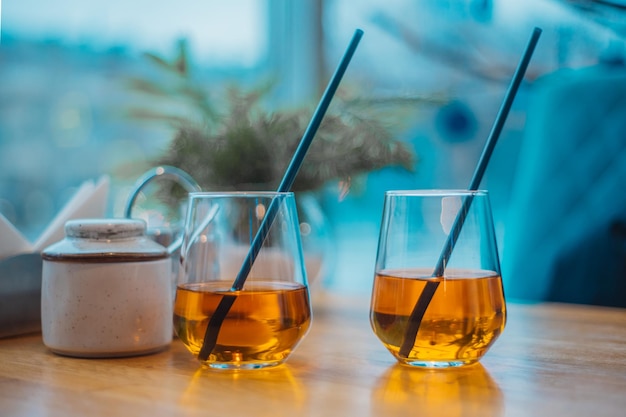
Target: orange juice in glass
<point x="270" y="314"/>
<point x="466" y="310"/>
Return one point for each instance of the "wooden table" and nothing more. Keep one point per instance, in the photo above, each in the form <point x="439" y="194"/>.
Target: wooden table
<point x="552" y="360"/>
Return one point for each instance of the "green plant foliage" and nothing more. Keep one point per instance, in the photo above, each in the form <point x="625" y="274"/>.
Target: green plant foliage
<point x="244" y="146"/>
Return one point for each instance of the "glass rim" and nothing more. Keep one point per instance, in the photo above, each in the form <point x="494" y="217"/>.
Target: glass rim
<point x="435" y="192"/>
<point x="219" y="194"/>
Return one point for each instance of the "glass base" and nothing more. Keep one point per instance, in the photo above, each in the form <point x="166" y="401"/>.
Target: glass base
<point x="235" y="366"/>
<point x="436" y="364"/>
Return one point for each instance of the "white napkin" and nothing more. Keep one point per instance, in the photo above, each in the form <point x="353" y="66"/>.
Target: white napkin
<point x="12" y="242"/>
<point x="89" y="201"/>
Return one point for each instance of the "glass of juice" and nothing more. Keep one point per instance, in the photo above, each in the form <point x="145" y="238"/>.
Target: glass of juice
<point x="437" y="299"/>
<point x="235" y="309"/>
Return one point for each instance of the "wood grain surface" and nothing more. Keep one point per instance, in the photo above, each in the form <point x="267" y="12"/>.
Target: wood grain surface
<point x="551" y="360"/>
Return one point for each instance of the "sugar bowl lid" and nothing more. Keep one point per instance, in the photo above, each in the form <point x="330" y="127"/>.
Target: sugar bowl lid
<point x="105" y="240"/>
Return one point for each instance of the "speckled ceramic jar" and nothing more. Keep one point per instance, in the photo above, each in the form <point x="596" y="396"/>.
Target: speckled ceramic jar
<point x="106" y="291"/>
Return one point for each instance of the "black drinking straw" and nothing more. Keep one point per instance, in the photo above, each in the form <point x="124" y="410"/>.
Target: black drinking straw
<point x="215" y="323"/>
<point x="415" y="320"/>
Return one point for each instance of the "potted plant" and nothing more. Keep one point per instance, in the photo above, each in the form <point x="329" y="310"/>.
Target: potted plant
<point x="232" y="142"/>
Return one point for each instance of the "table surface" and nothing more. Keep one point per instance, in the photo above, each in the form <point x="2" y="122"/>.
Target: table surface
<point x="551" y="360"/>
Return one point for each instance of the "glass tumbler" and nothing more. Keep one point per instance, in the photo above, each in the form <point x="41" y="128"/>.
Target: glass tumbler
<point x="235" y="309"/>
<point x="437" y="298"/>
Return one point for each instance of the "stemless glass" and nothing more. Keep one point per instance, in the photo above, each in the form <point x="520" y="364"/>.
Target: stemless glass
<point x="433" y="307"/>
<point x="271" y="313"/>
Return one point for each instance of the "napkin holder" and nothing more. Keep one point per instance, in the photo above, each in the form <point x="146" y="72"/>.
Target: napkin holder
<point x="20" y="294"/>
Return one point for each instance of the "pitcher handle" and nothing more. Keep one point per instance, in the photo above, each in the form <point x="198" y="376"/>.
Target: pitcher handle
<point x="162" y="171"/>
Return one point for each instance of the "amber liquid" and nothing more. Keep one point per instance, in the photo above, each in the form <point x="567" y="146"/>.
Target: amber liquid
<point x="464" y="318"/>
<point x="263" y="326"/>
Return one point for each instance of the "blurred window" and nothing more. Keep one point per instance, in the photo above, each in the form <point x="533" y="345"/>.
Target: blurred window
<point x="64" y="92"/>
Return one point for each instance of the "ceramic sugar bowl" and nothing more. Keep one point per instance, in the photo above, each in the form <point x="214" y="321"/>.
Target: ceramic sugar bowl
<point x="106" y="291"/>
